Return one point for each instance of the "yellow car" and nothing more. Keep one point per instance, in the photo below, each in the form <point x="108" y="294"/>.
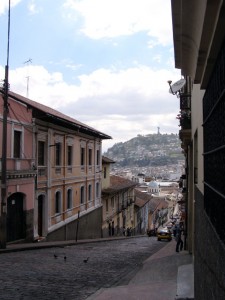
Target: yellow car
<point x="164" y="234"/>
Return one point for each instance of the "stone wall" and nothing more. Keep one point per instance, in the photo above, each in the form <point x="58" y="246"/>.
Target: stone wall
<point x="88" y="227"/>
<point x="209" y="260"/>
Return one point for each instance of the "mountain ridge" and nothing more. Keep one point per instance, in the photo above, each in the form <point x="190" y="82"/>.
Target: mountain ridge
<point x="147" y="150"/>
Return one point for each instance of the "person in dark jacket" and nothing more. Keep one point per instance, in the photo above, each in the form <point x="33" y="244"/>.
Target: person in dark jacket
<point x="180" y="243"/>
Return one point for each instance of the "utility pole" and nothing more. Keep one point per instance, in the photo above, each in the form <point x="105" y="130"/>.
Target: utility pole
<point x="4" y="169"/>
<point x="3" y="212"/>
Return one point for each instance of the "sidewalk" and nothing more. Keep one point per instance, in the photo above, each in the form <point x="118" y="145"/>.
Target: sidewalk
<point x="166" y="275"/>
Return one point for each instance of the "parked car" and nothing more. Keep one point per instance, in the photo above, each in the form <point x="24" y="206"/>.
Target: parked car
<point x="164" y="234"/>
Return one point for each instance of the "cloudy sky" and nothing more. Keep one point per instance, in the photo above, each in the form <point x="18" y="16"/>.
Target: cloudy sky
<point x="103" y="62"/>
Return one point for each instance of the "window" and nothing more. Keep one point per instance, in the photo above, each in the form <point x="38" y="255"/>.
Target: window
<point x="89" y="192"/>
<point x="112" y="202"/>
<point x="17" y="144"/>
<point x="58" y="154"/>
<point x="69" y="199"/>
<point x="41" y="153"/>
<point x="58" y="202"/>
<point x="97" y="190"/>
<point x="82" y="195"/>
<point x="90" y="157"/>
<point x="104" y="172"/>
<point x="69" y="155"/>
<point x="98" y="157"/>
<point x="82" y="156"/>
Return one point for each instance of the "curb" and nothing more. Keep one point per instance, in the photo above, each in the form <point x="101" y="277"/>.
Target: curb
<point x="43" y="245"/>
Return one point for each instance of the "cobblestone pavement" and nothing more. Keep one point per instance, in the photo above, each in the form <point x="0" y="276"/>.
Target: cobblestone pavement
<point x="61" y="273"/>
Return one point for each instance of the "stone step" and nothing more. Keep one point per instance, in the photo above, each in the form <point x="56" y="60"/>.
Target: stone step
<point x="185" y="282"/>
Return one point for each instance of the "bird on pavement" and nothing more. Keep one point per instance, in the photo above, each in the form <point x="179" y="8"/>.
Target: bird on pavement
<point x="65" y="258"/>
<point x="86" y="260"/>
<point x="55" y="256"/>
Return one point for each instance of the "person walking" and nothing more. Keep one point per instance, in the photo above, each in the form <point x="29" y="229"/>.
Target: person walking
<point x="174" y="229"/>
<point x="180" y="243"/>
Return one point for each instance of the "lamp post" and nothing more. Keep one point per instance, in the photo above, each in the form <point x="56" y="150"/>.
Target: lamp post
<point x="3" y="212"/>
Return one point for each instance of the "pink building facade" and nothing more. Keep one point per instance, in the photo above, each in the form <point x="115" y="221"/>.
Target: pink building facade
<point x="21" y="175"/>
<point x="53" y="174"/>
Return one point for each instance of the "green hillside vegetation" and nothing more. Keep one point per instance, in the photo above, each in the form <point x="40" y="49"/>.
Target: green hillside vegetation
<point x="147" y="150"/>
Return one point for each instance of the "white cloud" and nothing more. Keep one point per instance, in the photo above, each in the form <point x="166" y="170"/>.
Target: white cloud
<point x="32" y="7"/>
<point x="4" y="5"/>
<point x="117" y="102"/>
<point x="134" y="125"/>
<point x="112" y="18"/>
<point x="121" y="102"/>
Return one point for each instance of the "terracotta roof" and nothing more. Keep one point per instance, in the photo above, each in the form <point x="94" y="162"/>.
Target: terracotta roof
<point x="142" y="198"/>
<point x="117" y="184"/>
<point x="107" y="160"/>
<point x="156" y="201"/>
<point x="140" y="202"/>
<point x="154" y="204"/>
<point x="43" y="112"/>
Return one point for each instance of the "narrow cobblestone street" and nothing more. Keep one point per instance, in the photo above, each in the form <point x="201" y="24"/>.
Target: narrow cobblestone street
<point x="62" y="273"/>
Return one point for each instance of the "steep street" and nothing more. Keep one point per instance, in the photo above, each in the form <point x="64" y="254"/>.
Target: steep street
<point x="73" y="272"/>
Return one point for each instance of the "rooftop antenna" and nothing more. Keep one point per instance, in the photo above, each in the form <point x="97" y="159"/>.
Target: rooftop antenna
<point x="28" y="62"/>
<point x="3" y="211"/>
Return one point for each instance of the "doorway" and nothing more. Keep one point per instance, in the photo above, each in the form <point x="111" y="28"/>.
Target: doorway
<point x="15" y="217"/>
<point x="40" y="214"/>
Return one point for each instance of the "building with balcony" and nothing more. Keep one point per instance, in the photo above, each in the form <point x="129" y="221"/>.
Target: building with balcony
<point x="199" y="45"/>
<point x="21" y="171"/>
<point x="59" y="159"/>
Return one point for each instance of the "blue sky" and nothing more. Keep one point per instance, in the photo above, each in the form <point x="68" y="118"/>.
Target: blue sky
<point x="103" y="62"/>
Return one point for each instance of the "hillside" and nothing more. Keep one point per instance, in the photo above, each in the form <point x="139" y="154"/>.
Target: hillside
<point x="147" y="150"/>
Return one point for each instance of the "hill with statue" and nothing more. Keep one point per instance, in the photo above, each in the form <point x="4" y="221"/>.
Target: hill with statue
<point x="147" y="150"/>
